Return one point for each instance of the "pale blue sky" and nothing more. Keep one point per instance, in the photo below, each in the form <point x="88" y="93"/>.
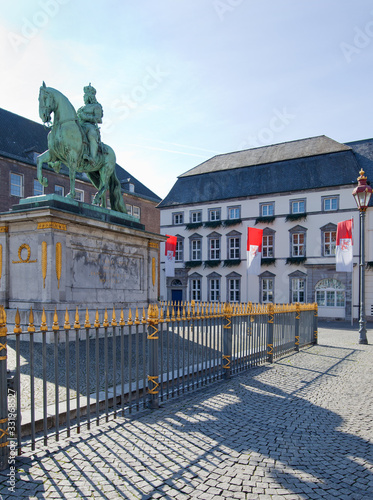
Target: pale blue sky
<point x="182" y="80"/>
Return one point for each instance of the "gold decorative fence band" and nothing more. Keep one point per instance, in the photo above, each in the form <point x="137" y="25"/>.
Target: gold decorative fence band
<point x="4" y="229"/>
<point x="270" y="349"/>
<point x="153" y="380"/>
<point x="163" y="313"/>
<point x="1" y="261"/>
<point x="227" y="358"/>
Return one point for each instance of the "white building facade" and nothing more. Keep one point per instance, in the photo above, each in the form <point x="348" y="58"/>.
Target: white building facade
<point x="297" y="193"/>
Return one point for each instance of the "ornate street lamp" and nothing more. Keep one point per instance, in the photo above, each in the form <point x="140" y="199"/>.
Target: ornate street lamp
<point x="362" y="194"/>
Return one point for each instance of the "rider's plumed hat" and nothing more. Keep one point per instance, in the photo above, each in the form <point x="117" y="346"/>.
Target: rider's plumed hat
<point x="89" y="90"/>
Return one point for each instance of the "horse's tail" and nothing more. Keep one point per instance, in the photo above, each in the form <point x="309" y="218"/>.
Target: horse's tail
<point x="116" y="198"/>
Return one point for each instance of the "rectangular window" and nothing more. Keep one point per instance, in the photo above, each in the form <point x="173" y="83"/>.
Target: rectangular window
<point x="267" y="246"/>
<point x="16" y="185"/>
<point x="330" y="204"/>
<point x="179" y="251"/>
<point x="234" y="290"/>
<point x="298" y="287"/>
<point x="136" y="212"/>
<point x="79" y="195"/>
<point x="129" y="209"/>
<point x="298" y="206"/>
<point x="298" y="248"/>
<point x="330" y="298"/>
<point x="320" y="298"/>
<point x="196" y="216"/>
<point x="178" y="218"/>
<point x="214" y="290"/>
<point x="38" y="188"/>
<point x="234" y="248"/>
<point x="196" y="289"/>
<point x="196" y="246"/>
<point x="60" y="190"/>
<point x="267" y="290"/>
<point x="214" y="249"/>
<point x="329" y="238"/>
<point x="267" y="209"/>
<point x="214" y="214"/>
<point x="234" y="212"/>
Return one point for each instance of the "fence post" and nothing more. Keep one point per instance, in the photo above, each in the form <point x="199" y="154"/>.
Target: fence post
<point x="271" y="316"/>
<point x="227" y="340"/>
<point x="315" y="324"/>
<point x="153" y="375"/>
<point x="297" y="324"/>
<point x="4" y="443"/>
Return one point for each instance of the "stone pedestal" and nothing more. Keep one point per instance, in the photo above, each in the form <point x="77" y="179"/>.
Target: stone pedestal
<point x="59" y="253"/>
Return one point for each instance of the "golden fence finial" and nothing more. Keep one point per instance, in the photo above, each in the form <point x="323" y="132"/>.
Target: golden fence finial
<point x="161" y="317"/>
<point x="67" y="325"/>
<point x="121" y="319"/>
<point x="137" y="320"/>
<point x="105" y="323"/>
<point x="76" y="322"/>
<point x="96" y="324"/>
<point x="178" y="313"/>
<point x="130" y="322"/>
<point x="17" y="322"/>
<point x="143" y="319"/>
<point x="87" y="323"/>
<point x="2" y="316"/>
<point x="43" y="326"/>
<point x="114" y="319"/>
<point x="168" y="314"/>
<point x="31" y="327"/>
<point x="55" y="325"/>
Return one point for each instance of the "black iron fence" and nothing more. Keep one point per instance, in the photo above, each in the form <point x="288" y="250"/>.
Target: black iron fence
<point x="85" y="371"/>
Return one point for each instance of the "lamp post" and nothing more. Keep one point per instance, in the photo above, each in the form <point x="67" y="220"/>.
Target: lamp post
<point x="362" y="194"/>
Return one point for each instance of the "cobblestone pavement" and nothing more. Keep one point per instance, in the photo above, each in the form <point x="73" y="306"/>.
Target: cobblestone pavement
<point x="298" y="429"/>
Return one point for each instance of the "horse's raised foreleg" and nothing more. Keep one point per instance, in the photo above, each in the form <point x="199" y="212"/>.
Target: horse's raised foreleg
<point x="43" y="158"/>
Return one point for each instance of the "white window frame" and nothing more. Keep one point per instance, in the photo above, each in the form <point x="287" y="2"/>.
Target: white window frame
<point x="214" y="289"/>
<point x="267" y="290"/>
<point x="62" y="190"/>
<point x="214" y="248"/>
<point x="214" y="214"/>
<point x="329" y="247"/>
<point x="267" y="209"/>
<point x="136" y="211"/>
<point x="234" y="247"/>
<point x="298" y="206"/>
<point x="196" y="249"/>
<point x="178" y="218"/>
<point x="39" y="187"/>
<point x="129" y="209"/>
<point x="196" y="216"/>
<point x="298" y="248"/>
<point x="268" y="246"/>
<point x="234" y="289"/>
<point x="79" y="192"/>
<point x="234" y="213"/>
<point x="327" y="202"/>
<point x="179" y="252"/>
<point x="195" y="289"/>
<point x="298" y="290"/>
<point x="19" y="185"/>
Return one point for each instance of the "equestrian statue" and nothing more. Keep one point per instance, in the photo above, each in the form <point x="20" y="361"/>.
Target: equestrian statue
<point x="74" y="140"/>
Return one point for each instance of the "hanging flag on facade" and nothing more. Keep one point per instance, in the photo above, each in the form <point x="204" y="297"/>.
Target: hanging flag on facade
<point x="170" y="252"/>
<point x="254" y="249"/>
<point x="344" y="247"/>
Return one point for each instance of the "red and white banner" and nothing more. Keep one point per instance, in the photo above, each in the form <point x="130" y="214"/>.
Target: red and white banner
<point x="170" y="251"/>
<point x="254" y="249"/>
<point x="344" y="247"/>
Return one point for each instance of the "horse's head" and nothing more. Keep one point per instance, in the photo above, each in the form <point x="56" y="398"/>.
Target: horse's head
<point x="46" y="103"/>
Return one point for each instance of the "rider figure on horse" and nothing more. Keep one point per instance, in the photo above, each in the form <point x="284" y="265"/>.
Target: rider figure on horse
<point x="89" y="116"/>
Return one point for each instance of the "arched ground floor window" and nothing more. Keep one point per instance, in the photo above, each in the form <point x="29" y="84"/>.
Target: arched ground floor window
<point x="330" y="295"/>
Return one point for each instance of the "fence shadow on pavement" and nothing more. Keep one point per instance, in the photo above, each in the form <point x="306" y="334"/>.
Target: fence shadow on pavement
<point x="254" y="430"/>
